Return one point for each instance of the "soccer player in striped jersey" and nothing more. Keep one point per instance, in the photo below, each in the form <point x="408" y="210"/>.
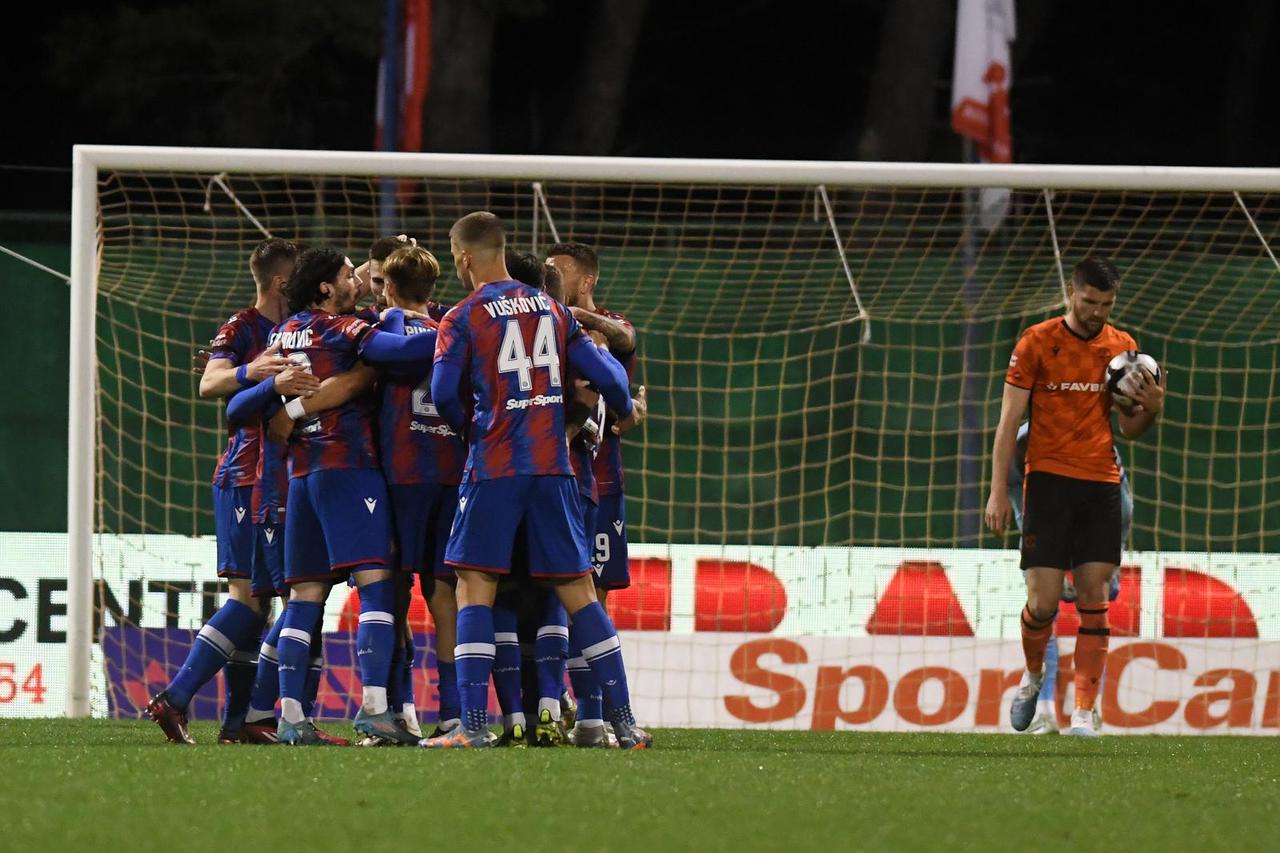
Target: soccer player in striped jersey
<point x="579" y="267"/>
<point x="422" y="460"/>
<point x="510" y="341"/>
<point x="256" y="405"/>
<point x="238" y="357"/>
<point x="1071" y="512"/>
<point x="339" y="518"/>
<point x="542" y="623"/>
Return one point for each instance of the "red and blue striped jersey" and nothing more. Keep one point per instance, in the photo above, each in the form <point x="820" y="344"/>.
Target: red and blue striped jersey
<point x="511" y="342"/>
<point x="341" y="437"/>
<point x="272" y="487"/>
<point x="416" y="444"/>
<point x="240" y="340"/>
<point x="608" y="464"/>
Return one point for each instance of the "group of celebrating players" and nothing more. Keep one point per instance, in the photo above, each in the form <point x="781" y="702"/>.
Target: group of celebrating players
<point x="475" y="447"/>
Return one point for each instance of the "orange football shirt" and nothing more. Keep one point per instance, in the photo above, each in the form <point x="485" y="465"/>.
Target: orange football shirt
<point x="1070" y="406"/>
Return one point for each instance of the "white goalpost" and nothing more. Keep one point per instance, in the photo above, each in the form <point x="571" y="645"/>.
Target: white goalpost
<point x="824" y="345"/>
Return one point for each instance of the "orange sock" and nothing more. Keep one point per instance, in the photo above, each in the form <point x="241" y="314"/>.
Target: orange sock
<point x="1035" y="636"/>
<point x="1091" y="653"/>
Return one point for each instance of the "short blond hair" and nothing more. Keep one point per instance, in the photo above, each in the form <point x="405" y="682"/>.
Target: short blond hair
<point x="413" y="270"/>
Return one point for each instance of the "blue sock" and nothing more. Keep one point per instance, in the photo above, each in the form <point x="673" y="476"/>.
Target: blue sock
<point x="212" y="648"/>
<point x="315" y="673"/>
<point x="1050" y="670"/>
<point x="266" y="686"/>
<point x="595" y="635"/>
<point x="551" y="652"/>
<point x="585" y="689"/>
<point x="376" y="642"/>
<point x="473" y="657"/>
<point x="506" y="665"/>
<point x="242" y="669"/>
<point x="301" y="624"/>
<point x="450" y="703"/>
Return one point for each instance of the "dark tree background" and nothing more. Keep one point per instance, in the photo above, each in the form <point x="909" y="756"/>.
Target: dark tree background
<point x="1094" y="82"/>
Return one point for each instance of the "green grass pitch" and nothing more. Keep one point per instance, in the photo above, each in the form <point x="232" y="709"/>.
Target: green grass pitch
<point x="115" y="785"/>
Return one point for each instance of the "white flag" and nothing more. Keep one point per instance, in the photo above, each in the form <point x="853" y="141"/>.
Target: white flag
<point x="980" y="90"/>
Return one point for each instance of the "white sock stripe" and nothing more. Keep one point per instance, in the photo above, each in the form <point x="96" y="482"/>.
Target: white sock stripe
<point x="602" y="648"/>
<point x="217" y="639"/>
<point x="379" y="616"/>
<point x="317" y="663"/>
<point x="579" y="663"/>
<point x="297" y="635"/>
<point x="553" y="631"/>
<point x="474" y="650"/>
<point x="504" y="638"/>
<point x="269" y="652"/>
<point x="244" y="657"/>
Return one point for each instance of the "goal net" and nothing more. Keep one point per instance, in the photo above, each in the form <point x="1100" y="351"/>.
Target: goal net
<point x="824" y="350"/>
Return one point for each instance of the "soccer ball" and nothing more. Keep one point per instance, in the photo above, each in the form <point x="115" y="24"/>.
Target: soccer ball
<point x="1122" y="374"/>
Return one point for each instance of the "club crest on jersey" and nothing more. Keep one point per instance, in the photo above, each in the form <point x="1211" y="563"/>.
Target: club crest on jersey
<point x="239" y="514"/>
<point x="370" y="504"/>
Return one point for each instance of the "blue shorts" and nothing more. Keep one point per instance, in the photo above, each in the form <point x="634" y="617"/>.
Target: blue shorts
<point x="339" y="520"/>
<point x="490" y="512"/>
<point x="233" y="524"/>
<point x="423" y="514"/>
<point x="268" y="558"/>
<point x="609" y="546"/>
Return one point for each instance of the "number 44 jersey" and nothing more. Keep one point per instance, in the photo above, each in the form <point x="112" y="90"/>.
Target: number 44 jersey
<point x="416" y="444"/>
<point x="511" y="341"/>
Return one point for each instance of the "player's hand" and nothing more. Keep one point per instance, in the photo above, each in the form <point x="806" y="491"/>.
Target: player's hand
<point x="999" y="513"/>
<point x="583" y="316"/>
<point x="268" y="364"/>
<point x="639" y="411"/>
<point x="585" y="394"/>
<point x="199" y="361"/>
<point x="296" y="382"/>
<point x="280" y="427"/>
<point x="1149" y="394"/>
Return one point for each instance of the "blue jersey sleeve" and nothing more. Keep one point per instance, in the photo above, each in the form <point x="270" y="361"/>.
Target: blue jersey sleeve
<point x="587" y="360"/>
<point x="446" y="380"/>
<point x="393" y="323"/>
<point x="251" y="404"/>
<point x="383" y="348"/>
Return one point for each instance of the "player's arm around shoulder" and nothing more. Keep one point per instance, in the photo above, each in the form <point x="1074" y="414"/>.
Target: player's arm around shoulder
<point x="620" y="334"/>
<point x="223" y="377"/>
<point x="329" y="394"/>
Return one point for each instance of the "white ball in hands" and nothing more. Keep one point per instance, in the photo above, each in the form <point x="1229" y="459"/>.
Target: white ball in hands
<point x="1123" y="375"/>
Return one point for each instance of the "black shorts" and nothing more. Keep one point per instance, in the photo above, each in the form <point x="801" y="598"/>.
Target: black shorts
<point x="1067" y="522"/>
